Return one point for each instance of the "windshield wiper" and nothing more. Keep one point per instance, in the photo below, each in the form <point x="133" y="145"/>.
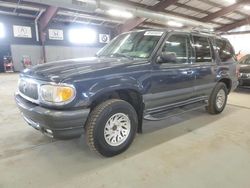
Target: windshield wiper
<point x="121" y="55"/>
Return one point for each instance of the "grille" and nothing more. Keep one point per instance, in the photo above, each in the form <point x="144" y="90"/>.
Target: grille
<point x="28" y="89"/>
<point x="245" y="75"/>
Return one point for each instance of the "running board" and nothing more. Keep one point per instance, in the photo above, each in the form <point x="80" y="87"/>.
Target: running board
<point x="174" y="112"/>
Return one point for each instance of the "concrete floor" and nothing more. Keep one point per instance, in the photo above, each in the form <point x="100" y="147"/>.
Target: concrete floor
<point x="193" y="150"/>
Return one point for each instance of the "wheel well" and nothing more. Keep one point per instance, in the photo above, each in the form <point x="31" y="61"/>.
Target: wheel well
<point x="131" y="96"/>
<point x="227" y="82"/>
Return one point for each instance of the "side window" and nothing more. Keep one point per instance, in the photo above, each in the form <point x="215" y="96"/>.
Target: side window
<point x="203" y="49"/>
<point x="180" y="46"/>
<point x="225" y="50"/>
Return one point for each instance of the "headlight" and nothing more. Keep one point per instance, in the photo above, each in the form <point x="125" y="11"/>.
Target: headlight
<point x="57" y="94"/>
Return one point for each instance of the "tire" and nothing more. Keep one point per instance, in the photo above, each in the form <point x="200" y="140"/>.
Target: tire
<point x="218" y="99"/>
<point x="101" y="124"/>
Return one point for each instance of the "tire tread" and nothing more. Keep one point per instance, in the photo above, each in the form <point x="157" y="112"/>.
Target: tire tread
<point x="91" y="122"/>
<point x="211" y="106"/>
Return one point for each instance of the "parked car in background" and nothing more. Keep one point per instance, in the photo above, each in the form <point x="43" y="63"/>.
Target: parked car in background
<point x="146" y="74"/>
<point x="244" y="71"/>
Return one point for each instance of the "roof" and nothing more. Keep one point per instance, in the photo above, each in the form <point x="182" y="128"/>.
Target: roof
<point x="190" y="31"/>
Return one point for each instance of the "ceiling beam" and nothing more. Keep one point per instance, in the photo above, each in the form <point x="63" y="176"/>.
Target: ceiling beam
<point x="36" y="5"/>
<point x="201" y="11"/>
<point x="235" y="25"/>
<point x="133" y="23"/>
<point x="47" y="16"/>
<point x="189" y="17"/>
<point x="44" y="21"/>
<point x="132" y="3"/>
<point x="214" y="4"/>
<point x="130" y="24"/>
<point x="237" y="33"/>
<point x="223" y="11"/>
<point x="162" y="5"/>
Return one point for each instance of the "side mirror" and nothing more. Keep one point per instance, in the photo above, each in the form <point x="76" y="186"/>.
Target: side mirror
<point x="167" y="57"/>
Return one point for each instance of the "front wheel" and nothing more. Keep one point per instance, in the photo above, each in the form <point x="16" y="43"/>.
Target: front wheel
<point x="218" y="99"/>
<point x="111" y="127"/>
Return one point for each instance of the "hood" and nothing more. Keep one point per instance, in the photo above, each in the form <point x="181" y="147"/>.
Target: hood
<point x="245" y="68"/>
<point x="66" y="69"/>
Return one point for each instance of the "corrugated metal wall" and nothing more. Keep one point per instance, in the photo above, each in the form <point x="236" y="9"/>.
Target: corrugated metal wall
<point x="18" y="51"/>
<point x="53" y="53"/>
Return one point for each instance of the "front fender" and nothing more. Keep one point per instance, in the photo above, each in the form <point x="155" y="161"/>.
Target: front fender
<point x="109" y="85"/>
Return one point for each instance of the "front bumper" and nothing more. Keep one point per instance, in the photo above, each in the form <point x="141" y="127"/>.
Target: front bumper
<point x="59" y="124"/>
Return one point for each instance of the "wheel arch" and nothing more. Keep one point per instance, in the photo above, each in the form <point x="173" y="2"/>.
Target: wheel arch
<point x="227" y="82"/>
<point x="131" y="95"/>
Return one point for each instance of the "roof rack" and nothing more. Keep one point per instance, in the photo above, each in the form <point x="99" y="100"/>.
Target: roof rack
<point x="203" y="30"/>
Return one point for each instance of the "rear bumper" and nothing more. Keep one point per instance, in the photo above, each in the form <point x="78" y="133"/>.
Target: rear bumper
<point x="244" y="81"/>
<point x="59" y="124"/>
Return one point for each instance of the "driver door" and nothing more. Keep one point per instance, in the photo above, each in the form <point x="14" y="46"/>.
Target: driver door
<point x="172" y="81"/>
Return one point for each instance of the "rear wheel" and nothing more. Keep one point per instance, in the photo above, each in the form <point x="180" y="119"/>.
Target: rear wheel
<point x="218" y="99"/>
<point x="111" y="127"/>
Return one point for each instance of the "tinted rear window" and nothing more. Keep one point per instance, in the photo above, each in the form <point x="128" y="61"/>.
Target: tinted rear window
<point x="225" y="50"/>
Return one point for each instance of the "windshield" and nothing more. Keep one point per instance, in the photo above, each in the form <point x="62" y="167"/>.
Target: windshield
<point x="132" y="45"/>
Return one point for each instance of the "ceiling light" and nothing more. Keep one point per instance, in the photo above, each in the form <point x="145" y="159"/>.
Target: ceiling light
<point x="120" y="13"/>
<point x="175" y="24"/>
<point x="82" y="36"/>
<point x="2" y="34"/>
<point x="247" y="7"/>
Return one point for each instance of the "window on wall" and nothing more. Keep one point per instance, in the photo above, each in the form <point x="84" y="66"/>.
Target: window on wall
<point x="202" y="49"/>
<point x="225" y="50"/>
<point x="2" y="32"/>
<point x="180" y="46"/>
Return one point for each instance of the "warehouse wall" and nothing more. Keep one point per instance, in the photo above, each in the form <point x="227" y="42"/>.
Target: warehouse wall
<point x="240" y="42"/>
<point x="18" y="51"/>
<point x="54" y="53"/>
<point x="9" y="21"/>
<point x="55" y="49"/>
<point x="9" y="38"/>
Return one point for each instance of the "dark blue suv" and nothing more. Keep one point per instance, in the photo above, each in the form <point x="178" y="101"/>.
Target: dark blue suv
<point x="147" y="74"/>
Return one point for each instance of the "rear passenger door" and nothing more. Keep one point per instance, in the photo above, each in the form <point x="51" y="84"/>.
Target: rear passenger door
<point x="204" y="66"/>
